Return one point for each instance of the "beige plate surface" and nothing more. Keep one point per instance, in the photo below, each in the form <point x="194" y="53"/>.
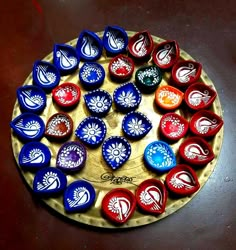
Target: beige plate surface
<point x="133" y="172"/>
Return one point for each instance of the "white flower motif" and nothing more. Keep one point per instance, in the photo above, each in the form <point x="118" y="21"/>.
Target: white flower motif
<point x="99" y="103"/>
<point x="127" y="99"/>
<point x="136" y="126"/>
<point x="116" y="152"/>
<point x="91" y="131"/>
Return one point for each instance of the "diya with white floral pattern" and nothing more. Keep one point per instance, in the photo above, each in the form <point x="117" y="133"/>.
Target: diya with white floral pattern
<point x="136" y="125"/>
<point x="118" y="205"/>
<point x="199" y="96"/>
<point x="91" y="131"/>
<point x="71" y="156"/>
<point x="196" y="151"/>
<point x="205" y="123"/>
<point x="182" y="180"/>
<point x="166" y="54"/>
<point x="116" y="150"/>
<point x="151" y="196"/>
<point x="79" y="196"/>
<point x="59" y="126"/>
<point x="66" y="95"/>
<point x="173" y="126"/>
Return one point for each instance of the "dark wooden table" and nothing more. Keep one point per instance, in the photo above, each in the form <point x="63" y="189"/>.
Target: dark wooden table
<point x="207" y="31"/>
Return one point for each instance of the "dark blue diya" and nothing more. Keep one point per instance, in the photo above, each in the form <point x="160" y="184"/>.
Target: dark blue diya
<point x="89" y="46"/>
<point x="46" y="75"/>
<point x="49" y="181"/>
<point x="115" y="40"/>
<point x="34" y="155"/>
<point x="136" y="125"/>
<point x="98" y="102"/>
<point x="159" y="156"/>
<point x="116" y="151"/>
<point x="28" y="127"/>
<point x="91" y="75"/>
<point x="65" y="58"/>
<point x="71" y="156"/>
<point x="127" y="97"/>
<point x="91" y="131"/>
<point x="79" y="196"/>
<point x="31" y="98"/>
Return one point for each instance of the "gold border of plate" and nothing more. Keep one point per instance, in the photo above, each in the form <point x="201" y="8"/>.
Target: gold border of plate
<point x="133" y="172"/>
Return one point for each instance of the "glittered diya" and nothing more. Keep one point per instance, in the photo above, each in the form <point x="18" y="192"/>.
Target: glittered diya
<point x="116" y="150"/>
<point x="71" y="156"/>
<point x="65" y="58"/>
<point x="91" y="75"/>
<point x="148" y="78"/>
<point x="186" y="72"/>
<point x="34" y="155"/>
<point x="166" y="54"/>
<point x="79" y="196"/>
<point x="98" y="102"/>
<point x="196" y="151"/>
<point x="46" y="75"/>
<point x="89" y="46"/>
<point x="173" y="126"/>
<point x="91" y="131"/>
<point x="136" y="125"/>
<point x="121" y="68"/>
<point x="59" y="126"/>
<point x="28" y="127"/>
<point x="115" y="40"/>
<point x="168" y="97"/>
<point x="118" y="205"/>
<point x="182" y="180"/>
<point x="205" y="123"/>
<point x="49" y="181"/>
<point x="199" y="96"/>
<point x="151" y="196"/>
<point x="140" y="45"/>
<point x="127" y="97"/>
<point x="31" y="98"/>
<point x="66" y="95"/>
<point x="159" y="156"/>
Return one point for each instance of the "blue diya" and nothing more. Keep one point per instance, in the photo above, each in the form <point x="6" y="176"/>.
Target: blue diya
<point x="115" y="40"/>
<point x="116" y="151"/>
<point x="65" y="58"/>
<point x="49" y="181"/>
<point x="89" y="46"/>
<point x="91" y="131"/>
<point x="31" y="98"/>
<point x="71" y="156"/>
<point x="46" y="75"/>
<point x="28" y="127"/>
<point x="136" y="125"/>
<point x="34" y="155"/>
<point x="98" y="102"/>
<point x="159" y="156"/>
<point x="91" y="75"/>
<point x="79" y="196"/>
<point x="127" y="97"/>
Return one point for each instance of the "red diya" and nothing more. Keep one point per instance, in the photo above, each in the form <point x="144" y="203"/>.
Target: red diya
<point x="151" y="196"/>
<point x="66" y="95"/>
<point x="121" y="67"/>
<point x="59" y="126"/>
<point x="118" y="205"/>
<point x="199" y="96"/>
<point x="195" y="150"/>
<point x="205" y="123"/>
<point x="173" y="126"/>
<point x="168" y="97"/>
<point x="166" y="54"/>
<point x="182" y="180"/>
<point x="185" y="73"/>
<point x="140" y="45"/>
